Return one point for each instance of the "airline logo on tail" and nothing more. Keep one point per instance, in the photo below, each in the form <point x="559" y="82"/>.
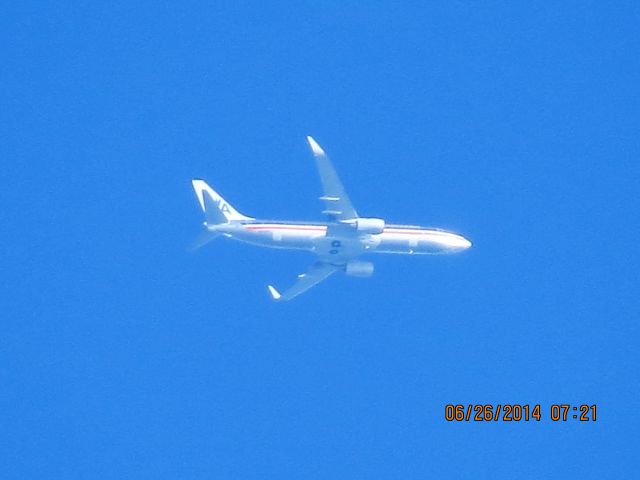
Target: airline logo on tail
<point x="216" y="208"/>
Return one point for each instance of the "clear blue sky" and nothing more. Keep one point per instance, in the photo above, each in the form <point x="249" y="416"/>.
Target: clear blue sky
<point x="123" y="356"/>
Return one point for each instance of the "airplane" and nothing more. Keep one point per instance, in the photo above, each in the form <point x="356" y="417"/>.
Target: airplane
<point x="337" y="242"/>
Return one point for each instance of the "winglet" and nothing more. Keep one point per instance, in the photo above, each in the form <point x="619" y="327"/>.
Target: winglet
<point x="274" y="293"/>
<point x="317" y="150"/>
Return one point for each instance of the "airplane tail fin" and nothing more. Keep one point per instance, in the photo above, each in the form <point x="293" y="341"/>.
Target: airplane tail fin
<point x="216" y="209"/>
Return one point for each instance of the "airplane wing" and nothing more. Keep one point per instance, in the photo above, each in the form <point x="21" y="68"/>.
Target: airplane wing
<point x="337" y="203"/>
<point x="317" y="273"/>
<point x="338" y="207"/>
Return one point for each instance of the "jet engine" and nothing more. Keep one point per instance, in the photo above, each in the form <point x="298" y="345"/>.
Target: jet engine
<point x="357" y="268"/>
<point x="373" y="226"/>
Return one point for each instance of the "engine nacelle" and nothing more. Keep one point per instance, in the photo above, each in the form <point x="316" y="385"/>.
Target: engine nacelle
<point x="357" y="268"/>
<point x="373" y="226"/>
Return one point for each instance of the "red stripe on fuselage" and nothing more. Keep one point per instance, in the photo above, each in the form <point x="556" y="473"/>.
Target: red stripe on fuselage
<point x="320" y="228"/>
<point x="283" y="227"/>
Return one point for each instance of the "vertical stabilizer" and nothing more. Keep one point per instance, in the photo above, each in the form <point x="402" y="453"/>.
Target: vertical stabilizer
<point x="216" y="209"/>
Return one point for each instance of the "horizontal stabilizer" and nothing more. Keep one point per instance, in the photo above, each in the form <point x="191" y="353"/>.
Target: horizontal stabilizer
<point x="202" y="239"/>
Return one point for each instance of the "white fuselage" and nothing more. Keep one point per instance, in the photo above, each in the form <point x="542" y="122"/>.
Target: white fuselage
<point x="343" y="240"/>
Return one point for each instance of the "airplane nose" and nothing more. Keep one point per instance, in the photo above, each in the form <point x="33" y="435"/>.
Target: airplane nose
<point x="457" y="242"/>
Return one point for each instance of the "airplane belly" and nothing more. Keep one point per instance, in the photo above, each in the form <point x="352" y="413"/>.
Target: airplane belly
<point x="410" y="245"/>
<point x="276" y="238"/>
<point x="292" y="239"/>
<point x="338" y="248"/>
